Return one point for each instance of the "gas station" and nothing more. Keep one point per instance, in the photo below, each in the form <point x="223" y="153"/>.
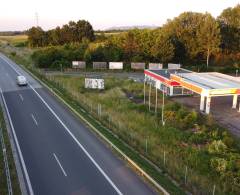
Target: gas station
<point x="180" y="82"/>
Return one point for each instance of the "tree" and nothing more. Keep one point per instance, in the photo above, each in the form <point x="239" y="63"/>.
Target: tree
<point x="229" y="21"/>
<point x="184" y="27"/>
<point x="84" y="29"/>
<point x="163" y="49"/>
<point x="208" y="36"/>
<point x="69" y="33"/>
<point x="131" y="45"/>
<point x="36" y="37"/>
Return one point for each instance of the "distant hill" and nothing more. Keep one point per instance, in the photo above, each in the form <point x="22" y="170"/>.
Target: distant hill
<point x="123" y="28"/>
<point x="11" y="33"/>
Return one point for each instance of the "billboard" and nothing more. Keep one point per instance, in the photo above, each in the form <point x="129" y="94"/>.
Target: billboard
<point x="93" y="83"/>
<point x="155" y="66"/>
<point x="174" y="66"/>
<point x="138" y="65"/>
<point x="99" y="65"/>
<point x="79" y="64"/>
<point x="116" y="65"/>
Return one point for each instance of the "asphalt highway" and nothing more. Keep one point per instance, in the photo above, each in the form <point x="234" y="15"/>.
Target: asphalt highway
<point x="59" y="155"/>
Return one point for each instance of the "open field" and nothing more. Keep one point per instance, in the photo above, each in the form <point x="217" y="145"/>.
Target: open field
<point x="13" y="39"/>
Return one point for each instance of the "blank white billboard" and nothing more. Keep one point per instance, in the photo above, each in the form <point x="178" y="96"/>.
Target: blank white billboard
<point x="93" y="83"/>
<point x="116" y="65"/>
<point x="155" y="66"/>
<point x="174" y="66"/>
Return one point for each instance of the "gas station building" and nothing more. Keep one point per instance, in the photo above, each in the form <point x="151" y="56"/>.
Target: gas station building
<point x="179" y="82"/>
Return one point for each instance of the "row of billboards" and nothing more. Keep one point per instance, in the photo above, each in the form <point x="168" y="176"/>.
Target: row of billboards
<point x="119" y="65"/>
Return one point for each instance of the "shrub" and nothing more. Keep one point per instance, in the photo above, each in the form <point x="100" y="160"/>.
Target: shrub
<point x="13" y="53"/>
<point x="217" y="147"/>
<point x="219" y="164"/>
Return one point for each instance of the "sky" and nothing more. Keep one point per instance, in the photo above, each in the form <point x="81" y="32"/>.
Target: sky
<point x="102" y="14"/>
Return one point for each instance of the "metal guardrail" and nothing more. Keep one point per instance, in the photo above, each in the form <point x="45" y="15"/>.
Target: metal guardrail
<point x="129" y="160"/>
<point x="7" y="171"/>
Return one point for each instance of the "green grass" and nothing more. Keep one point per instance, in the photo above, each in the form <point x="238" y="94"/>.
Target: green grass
<point x="11" y="164"/>
<point x="13" y="39"/>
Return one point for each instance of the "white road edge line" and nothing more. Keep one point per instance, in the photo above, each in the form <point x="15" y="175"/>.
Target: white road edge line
<point x="56" y="158"/>
<point x="71" y="134"/>
<point x="18" y="147"/>
<point x="21" y="97"/>
<point x="34" y="119"/>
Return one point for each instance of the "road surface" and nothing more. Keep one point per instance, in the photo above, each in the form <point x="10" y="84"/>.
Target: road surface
<point x="58" y="153"/>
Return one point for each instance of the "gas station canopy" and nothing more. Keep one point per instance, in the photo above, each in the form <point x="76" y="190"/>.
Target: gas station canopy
<point x="207" y="84"/>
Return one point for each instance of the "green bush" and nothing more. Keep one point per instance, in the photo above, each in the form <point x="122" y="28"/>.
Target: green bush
<point x="217" y="147"/>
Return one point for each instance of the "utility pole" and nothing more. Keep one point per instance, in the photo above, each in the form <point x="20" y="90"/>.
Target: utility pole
<point x="37" y="19"/>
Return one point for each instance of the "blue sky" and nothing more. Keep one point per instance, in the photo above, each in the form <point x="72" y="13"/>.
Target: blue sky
<point x="102" y="14"/>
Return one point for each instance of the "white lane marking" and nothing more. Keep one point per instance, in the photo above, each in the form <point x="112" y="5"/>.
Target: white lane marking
<point x="18" y="147"/>
<point x="34" y="119"/>
<point x="71" y="134"/>
<point x="21" y="97"/>
<point x="56" y="158"/>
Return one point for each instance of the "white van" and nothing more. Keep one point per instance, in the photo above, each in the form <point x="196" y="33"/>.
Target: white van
<point x="21" y="80"/>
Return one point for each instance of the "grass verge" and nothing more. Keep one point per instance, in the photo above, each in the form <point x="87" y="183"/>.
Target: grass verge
<point x="11" y="164"/>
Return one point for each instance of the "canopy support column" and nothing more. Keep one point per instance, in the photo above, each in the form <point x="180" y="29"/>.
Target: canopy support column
<point x="144" y="91"/>
<point x="202" y="103"/>
<point x="149" y="96"/>
<point x="235" y="100"/>
<point x="208" y="104"/>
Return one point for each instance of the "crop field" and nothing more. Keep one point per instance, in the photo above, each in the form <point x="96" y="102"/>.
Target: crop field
<point x="14" y="39"/>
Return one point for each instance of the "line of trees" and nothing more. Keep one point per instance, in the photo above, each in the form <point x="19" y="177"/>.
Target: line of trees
<point x="73" y="32"/>
<point x="190" y="38"/>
